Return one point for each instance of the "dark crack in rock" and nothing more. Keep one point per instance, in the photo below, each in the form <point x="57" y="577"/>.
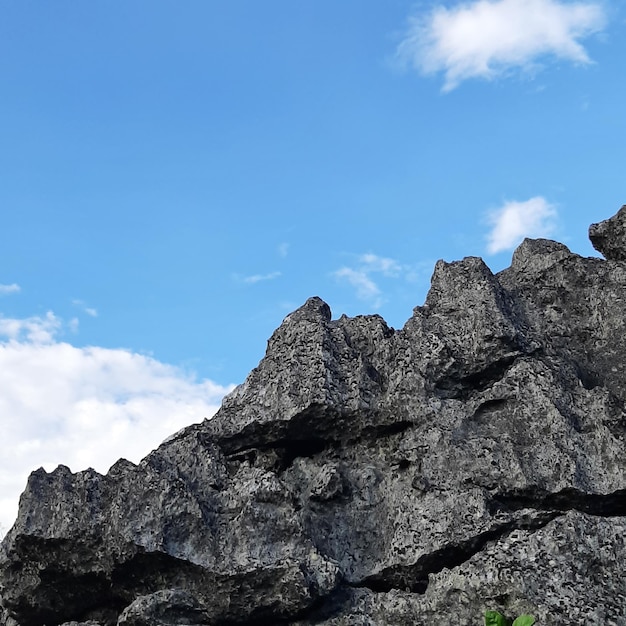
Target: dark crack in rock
<point x="474" y="459"/>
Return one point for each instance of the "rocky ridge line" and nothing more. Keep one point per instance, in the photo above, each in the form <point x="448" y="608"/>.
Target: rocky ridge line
<point x="473" y="459"/>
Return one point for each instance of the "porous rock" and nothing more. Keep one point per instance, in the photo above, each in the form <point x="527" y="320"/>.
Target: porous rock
<point x="609" y="236"/>
<point x="472" y="460"/>
<point x="168" y="607"/>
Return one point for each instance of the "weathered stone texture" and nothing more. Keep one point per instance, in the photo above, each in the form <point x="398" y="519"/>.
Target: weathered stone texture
<point x="609" y="236"/>
<point x="474" y="459"/>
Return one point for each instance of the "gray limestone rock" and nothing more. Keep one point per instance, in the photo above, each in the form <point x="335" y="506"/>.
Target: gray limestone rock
<point x="474" y="459"/>
<point x="169" y="607"/>
<point x="609" y="236"/>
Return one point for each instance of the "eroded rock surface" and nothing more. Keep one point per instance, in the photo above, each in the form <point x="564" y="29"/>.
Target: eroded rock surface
<point x="609" y="236"/>
<point x="474" y="459"/>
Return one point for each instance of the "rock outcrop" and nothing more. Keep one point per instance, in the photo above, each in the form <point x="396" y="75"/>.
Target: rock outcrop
<point x="473" y="460"/>
<point x="608" y="236"/>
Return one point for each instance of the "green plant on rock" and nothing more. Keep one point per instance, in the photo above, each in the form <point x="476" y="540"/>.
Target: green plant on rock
<point x="493" y="618"/>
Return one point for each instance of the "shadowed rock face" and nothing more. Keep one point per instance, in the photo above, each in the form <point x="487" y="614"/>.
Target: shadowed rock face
<point x="473" y="460"/>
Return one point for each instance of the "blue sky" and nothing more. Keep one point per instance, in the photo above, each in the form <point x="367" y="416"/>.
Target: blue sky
<point x="177" y="177"/>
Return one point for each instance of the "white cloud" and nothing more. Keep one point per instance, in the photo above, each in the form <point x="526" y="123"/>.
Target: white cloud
<point x="360" y="276"/>
<point x="283" y="249"/>
<point x="514" y="221"/>
<point x="257" y="278"/>
<point x="489" y="38"/>
<point x="84" y="407"/>
<point x="31" y="329"/>
<point x="6" y="289"/>
<point x="366" y="288"/>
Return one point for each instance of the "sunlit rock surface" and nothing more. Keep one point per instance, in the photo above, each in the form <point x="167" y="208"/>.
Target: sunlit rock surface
<point x="473" y="460"/>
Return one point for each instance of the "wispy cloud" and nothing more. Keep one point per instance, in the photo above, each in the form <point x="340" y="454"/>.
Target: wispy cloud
<point x="375" y="263"/>
<point x="7" y="289"/>
<point x="490" y="38"/>
<point x="366" y="288"/>
<point x="91" y="311"/>
<point x="515" y="220"/>
<point x="360" y="276"/>
<point x="283" y="249"/>
<point x="257" y="278"/>
<point x="84" y="407"/>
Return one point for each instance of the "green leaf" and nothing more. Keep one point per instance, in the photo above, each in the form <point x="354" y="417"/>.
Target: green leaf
<point x="493" y="618"/>
<point x="524" y="620"/>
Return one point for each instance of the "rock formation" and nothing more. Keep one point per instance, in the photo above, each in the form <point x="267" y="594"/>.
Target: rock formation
<point x="473" y="460"/>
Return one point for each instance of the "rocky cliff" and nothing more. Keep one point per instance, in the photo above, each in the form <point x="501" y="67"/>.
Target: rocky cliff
<point x="474" y="459"/>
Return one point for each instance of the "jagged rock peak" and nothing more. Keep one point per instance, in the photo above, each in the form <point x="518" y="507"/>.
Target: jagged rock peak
<point x="536" y="255"/>
<point x="449" y="278"/>
<point x="609" y="237"/>
<point x="473" y="460"/>
<point x="313" y="309"/>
